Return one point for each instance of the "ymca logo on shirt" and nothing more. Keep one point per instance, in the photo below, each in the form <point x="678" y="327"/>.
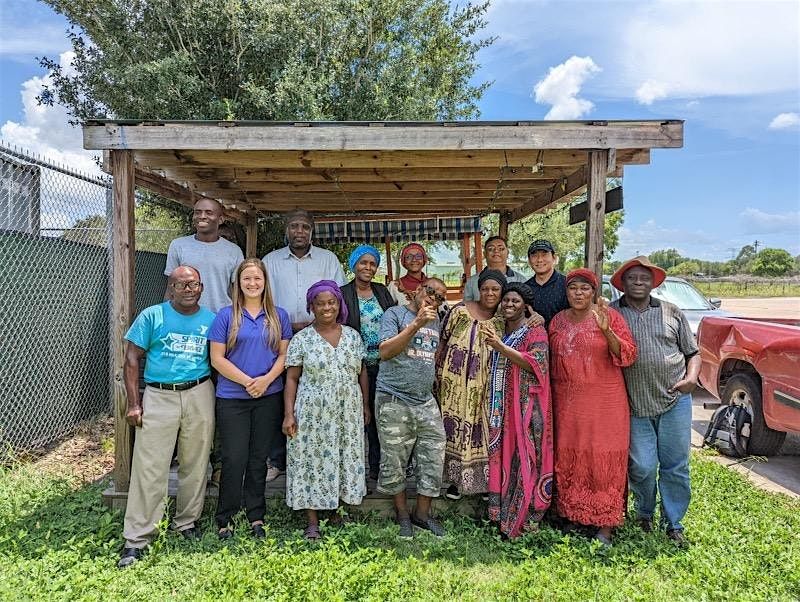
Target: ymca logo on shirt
<point x="423" y="345"/>
<point x="185" y="343"/>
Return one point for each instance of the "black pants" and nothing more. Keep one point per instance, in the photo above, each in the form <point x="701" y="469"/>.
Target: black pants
<point x="247" y="429"/>
<point x="374" y="454"/>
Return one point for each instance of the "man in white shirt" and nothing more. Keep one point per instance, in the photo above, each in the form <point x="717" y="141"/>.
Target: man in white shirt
<point x="294" y="268"/>
<point x="214" y="257"/>
<point x="291" y="272"/>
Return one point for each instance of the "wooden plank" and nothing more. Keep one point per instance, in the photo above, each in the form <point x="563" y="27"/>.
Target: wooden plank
<point x="253" y="196"/>
<point x="533" y="136"/>
<point x="465" y="255"/>
<point x="572" y="185"/>
<point x="478" y="253"/>
<point x="251" y="235"/>
<point x="578" y="213"/>
<point x="505" y="220"/>
<point x="170" y="189"/>
<point x="213" y="187"/>
<point x="387" y="175"/>
<point x="122" y="305"/>
<point x="387" y="241"/>
<point x="596" y="199"/>
<point x="388" y="216"/>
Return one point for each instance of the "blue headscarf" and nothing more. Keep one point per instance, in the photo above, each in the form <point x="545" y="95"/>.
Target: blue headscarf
<point x="359" y="252"/>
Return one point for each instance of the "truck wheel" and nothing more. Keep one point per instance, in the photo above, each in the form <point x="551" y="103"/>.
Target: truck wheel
<point x="743" y="389"/>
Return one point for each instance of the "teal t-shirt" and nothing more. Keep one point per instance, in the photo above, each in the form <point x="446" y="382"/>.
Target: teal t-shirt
<point x="176" y="344"/>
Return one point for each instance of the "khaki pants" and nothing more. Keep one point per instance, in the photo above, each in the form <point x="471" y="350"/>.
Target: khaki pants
<point x="185" y="416"/>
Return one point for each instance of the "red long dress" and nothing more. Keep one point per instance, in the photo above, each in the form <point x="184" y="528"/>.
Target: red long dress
<point x="591" y="419"/>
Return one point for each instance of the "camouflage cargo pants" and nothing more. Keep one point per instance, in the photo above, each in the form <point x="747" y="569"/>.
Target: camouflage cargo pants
<point x="403" y="428"/>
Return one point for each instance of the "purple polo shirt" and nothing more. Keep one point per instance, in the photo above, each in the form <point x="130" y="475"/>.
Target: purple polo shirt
<point x="251" y="354"/>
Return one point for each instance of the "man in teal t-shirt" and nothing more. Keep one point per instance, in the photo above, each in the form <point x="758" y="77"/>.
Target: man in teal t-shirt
<point x="178" y="405"/>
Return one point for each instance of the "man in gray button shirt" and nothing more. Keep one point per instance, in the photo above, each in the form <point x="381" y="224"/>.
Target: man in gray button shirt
<point x="408" y="417"/>
<point x="214" y="257"/>
<point x="660" y="384"/>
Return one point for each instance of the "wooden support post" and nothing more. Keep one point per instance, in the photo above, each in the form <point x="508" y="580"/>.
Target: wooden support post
<point x="387" y="241"/>
<point x="595" y="219"/>
<point x="122" y="305"/>
<point x="505" y="220"/>
<point x="465" y="255"/>
<point x="478" y="253"/>
<point x="251" y="235"/>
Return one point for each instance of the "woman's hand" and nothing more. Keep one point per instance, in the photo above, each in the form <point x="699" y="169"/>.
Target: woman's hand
<point x="600" y="313"/>
<point x="256" y="387"/>
<point x="490" y="336"/>
<point x="289" y="426"/>
<point x="535" y="319"/>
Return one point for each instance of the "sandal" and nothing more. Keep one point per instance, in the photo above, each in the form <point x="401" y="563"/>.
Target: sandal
<point x="340" y="520"/>
<point x="312" y="533"/>
<point x="225" y="533"/>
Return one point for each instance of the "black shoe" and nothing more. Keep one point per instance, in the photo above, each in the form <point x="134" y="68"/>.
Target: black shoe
<point x="452" y="493"/>
<point x="225" y="533"/>
<point x="257" y="531"/>
<point x="429" y="524"/>
<point x="645" y="524"/>
<point x="192" y="533"/>
<point x="678" y="537"/>
<point x="128" y="557"/>
<point x="406" y="529"/>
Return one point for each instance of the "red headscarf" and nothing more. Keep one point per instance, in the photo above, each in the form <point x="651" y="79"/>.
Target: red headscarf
<point x="409" y="282"/>
<point x="583" y="274"/>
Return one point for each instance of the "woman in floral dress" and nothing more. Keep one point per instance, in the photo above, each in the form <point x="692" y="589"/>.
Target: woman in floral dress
<point x="325" y="408"/>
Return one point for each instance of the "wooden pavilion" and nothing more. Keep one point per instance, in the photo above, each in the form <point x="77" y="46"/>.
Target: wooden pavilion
<point x="363" y="171"/>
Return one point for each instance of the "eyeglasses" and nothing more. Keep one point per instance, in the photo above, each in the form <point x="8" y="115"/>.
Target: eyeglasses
<point x="431" y="292"/>
<point x="413" y="257"/>
<point x="194" y="285"/>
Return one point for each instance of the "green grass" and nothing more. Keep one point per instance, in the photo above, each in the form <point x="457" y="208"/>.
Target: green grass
<point x="58" y="542"/>
<point x="728" y="290"/>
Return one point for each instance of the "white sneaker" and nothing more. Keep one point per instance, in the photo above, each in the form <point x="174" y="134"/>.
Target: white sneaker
<point x="273" y="473"/>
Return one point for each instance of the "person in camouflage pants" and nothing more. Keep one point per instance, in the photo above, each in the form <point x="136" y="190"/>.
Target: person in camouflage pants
<point x="408" y="417"/>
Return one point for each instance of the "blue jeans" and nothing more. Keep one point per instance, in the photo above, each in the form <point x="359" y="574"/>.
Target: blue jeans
<point x="660" y="447"/>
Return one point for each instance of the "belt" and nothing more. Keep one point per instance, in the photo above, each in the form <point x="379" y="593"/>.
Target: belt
<point x="179" y="386"/>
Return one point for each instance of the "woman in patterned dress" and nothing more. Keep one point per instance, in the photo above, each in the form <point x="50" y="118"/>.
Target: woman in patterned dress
<point x="520" y="418"/>
<point x="325" y="409"/>
<point x="462" y="371"/>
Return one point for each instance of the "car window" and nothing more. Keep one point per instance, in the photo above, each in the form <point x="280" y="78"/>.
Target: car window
<point x="607" y="292"/>
<point x="682" y="294"/>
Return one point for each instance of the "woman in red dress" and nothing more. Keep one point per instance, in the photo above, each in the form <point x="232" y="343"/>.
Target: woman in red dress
<point x="589" y="345"/>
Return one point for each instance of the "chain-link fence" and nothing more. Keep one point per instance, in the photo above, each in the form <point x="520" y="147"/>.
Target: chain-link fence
<point x="54" y="293"/>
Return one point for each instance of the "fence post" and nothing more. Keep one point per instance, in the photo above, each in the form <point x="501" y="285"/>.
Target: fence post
<point x="122" y="303"/>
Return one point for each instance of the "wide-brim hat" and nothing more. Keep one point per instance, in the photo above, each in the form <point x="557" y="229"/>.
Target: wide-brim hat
<point x="658" y="273"/>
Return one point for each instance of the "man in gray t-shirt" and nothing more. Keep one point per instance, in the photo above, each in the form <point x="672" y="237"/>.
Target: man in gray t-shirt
<point x="214" y="257"/>
<point x="407" y="415"/>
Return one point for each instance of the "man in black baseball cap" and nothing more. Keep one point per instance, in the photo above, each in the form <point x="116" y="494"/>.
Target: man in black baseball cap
<point x="549" y="286"/>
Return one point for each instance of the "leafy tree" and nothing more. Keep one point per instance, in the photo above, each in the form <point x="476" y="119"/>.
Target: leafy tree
<point x="684" y="268"/>
<point x="772" y="262"/>
<point x="291" y="60"/>
<point x="666" y="258"/>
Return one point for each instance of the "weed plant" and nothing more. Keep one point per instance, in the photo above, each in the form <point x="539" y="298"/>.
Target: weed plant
<point x="58" y="541"/>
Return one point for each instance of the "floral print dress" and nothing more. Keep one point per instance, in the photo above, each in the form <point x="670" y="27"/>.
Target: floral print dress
<point x="325" y="460"/>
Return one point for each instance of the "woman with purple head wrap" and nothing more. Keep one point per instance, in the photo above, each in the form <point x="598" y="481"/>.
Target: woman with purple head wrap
<point x="325" y="410"/>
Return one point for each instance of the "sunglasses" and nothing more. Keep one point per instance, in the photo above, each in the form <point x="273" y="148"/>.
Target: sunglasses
<point x="192" y="286"/>
<point x="431" y="292"/>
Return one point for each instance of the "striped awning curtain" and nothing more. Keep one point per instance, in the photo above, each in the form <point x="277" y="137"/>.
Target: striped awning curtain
<point x="434" y="228"/>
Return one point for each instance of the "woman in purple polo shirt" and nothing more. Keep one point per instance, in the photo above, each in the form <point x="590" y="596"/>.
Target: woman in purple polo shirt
<point x="248" y="348"/>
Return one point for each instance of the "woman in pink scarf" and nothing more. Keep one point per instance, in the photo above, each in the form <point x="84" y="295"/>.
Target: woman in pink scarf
<point x="413" y="258"/>
<point x="520" y="418"/>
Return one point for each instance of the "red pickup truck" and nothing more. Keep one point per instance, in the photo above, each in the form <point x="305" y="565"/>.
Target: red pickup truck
<point x="755" y="363"/>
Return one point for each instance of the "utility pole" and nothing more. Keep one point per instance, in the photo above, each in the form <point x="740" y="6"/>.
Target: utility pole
<point x="755" y="245"/>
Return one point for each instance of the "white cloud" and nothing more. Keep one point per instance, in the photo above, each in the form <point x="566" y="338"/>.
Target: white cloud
<point x="650" y="236"/>
<point x="712" y="48"/>
<point x="756" y="221"/>
<point x="785" y="121"/>
<point x="561" y="86"/>
<point x="650" y="91"/>
<point x="45" y="130"/>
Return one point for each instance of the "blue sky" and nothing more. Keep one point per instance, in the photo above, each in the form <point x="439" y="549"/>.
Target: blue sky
<point x="731" y="69"/>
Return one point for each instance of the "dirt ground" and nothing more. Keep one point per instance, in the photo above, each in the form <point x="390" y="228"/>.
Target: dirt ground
<point x="87" y="455"/>
<point x="770" y="307"/>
